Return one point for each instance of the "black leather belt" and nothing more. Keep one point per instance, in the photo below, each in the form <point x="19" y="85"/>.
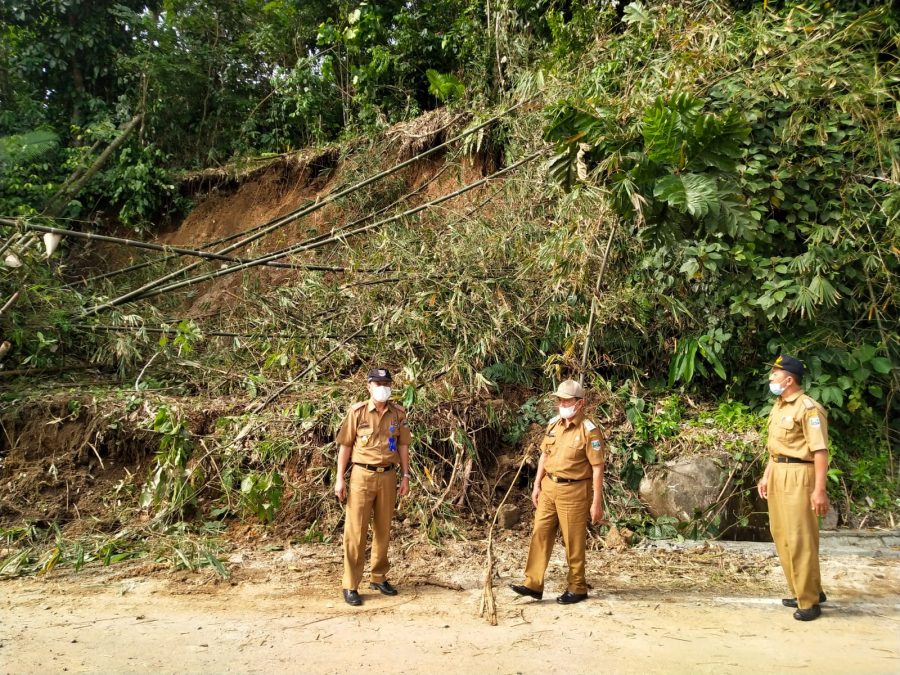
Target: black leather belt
<point x="375" y="467"/>
<point x="557" y="479"/>
<point x="782" y="459"/>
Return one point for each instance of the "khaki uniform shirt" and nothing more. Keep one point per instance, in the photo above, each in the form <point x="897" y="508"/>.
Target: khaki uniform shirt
<point x="798" y="427"/>
<point x="375" y="438"/>
<point x="573" y="447"/>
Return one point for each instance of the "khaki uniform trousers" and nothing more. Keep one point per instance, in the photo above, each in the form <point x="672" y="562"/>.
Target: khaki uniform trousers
<point x="795" y="529"/>
<point x="566" y="507"/>
<point x="369" y="493"/>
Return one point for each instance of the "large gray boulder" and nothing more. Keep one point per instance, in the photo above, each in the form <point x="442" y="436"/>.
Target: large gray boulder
<point x="684" y="487"/>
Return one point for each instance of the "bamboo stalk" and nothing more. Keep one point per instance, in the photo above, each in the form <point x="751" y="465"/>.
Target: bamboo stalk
<point x="165" y="258"/>
<point x="590" y="326"/>
<point x="231" y="237"/>
<point x="45" y="371"/>
<point x="167" y="331"/>
<point x="13" y="238"/>
<point x="58" y="203"/>
<point x="319" y="242"/>
<point x="295" y="215"/>
<point x="9" y="303"/>
<point x="75" y="175"/>
<point x="329" y="236"/>
<point x="488" y="602"/>
<point x="133" y="243"/>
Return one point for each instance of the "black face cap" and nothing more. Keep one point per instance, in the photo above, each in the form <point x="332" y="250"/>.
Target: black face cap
<point x="379" y="375"/>
<point x="790" y="364"/>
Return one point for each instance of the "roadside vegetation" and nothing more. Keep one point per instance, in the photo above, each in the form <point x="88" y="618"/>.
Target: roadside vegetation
<point x="672" y="194"/>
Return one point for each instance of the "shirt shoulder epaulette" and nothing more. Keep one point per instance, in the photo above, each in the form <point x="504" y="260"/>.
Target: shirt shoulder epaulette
<point x="553" y="420"/>
<point x="357" y="406"/>
<point x="589" y="425"/>
<point x="813" y="407"/>
<point x="398" y="407"/>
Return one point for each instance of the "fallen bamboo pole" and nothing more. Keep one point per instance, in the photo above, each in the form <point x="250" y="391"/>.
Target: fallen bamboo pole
<point x="133" y="243"/>
<point x="155" y="329"/>
<point x="296" y="215"/>
<point x="318" y="242"/>
<point x="9" y="303"/>
<point x="330" y="235"/>
<point x="232" y="237"/>
<point x="166" y="258"/>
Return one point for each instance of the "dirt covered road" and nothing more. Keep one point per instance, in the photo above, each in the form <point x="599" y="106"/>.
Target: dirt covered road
<point x="683" y="608"/>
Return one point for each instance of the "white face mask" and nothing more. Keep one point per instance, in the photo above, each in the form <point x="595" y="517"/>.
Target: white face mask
<point x="567" y="413"/>
<point x="381" y="394"/>
<point x="776" y="388"/>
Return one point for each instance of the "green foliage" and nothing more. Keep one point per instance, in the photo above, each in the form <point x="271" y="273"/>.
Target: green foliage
<point x="746" y="159"/>
<point x="638" y="448"/>
<point x="173" y="483"/>
<point x="444" y="87"/>
<point x="753" y="235"/>
<point x="735" y="416"/>
<point x="530" y="412"/>
<point x="141" y="187"/>
<point x="26" y="147"/>
<point x="663" y="527"/>
<point x="686" y="360"/>
<point x="261" y="494"/>
<point x="187" y="334"/>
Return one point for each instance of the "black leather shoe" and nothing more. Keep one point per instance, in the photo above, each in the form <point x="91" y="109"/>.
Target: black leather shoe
<point x="792" y="602"/>
<point x="568" y="598"/>
<point x="808" y="614"/>
<point x="352" y="598"/>
<point x="384" y="586"/>
<point x="524" y="590"/>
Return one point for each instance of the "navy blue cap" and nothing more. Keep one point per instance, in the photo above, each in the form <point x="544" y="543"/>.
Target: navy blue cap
<point x="379" y="375"/>
<point x="790" y="364"/>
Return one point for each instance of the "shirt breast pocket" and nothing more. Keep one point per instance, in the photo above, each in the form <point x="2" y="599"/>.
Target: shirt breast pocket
<point x="786" y="427"/>
<point x="574" y="450"/>
<point x="549" y="445"/>
<point x="363" y="436"/>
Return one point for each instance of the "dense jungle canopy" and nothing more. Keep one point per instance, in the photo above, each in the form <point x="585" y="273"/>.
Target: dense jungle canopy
<point x="703" y="185"/>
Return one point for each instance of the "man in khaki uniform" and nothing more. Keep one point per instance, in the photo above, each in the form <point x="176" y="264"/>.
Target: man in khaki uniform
<point x="569" y="469"/>
<point x="794" y="484"/>
<point x="375" y="436"/>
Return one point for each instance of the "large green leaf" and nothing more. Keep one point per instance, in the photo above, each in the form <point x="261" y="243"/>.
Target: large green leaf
<point x="23" y="147"/>
<point x="662" y="140"/>
<point x="444" y="86"/>
<point x="570" y="124"/>
<point x="691" y="193"/>
<point x="716" y="140"/>
<point x="562" y="166"/>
